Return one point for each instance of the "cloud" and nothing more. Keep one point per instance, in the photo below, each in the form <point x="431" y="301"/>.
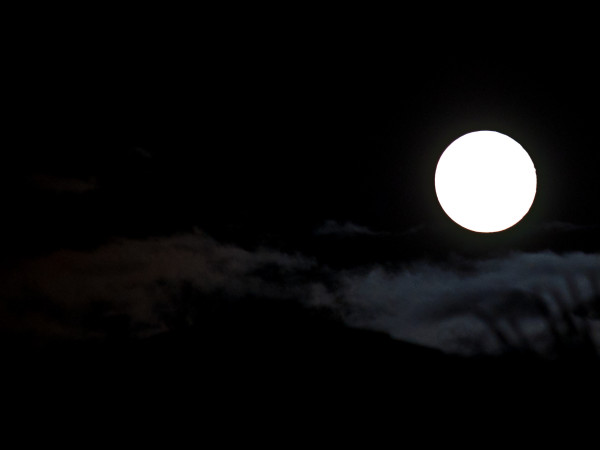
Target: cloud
<point x="142" y="152"/>
<point x="565" y="227"/>
<point x="334" y="228"/>
<point x="62" y="184"/>
<point x="136" y="286"/>
<point x="64" y="292"/>
<point x="437" y="305"/>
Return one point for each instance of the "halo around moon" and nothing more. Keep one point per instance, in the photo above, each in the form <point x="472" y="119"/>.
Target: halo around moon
<point x="485" y="181"/>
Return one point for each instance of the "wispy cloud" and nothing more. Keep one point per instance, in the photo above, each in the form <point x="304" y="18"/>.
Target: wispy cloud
<point x="61" y="184"/>
<point x="565" y="227"/>
<point x="137" y="279"/>
<point x="333" y="228"/>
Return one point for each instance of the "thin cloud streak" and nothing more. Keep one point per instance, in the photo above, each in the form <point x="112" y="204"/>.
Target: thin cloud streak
<point x="333" y="228"/>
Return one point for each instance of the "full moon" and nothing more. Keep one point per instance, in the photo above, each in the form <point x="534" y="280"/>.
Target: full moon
<point x="485" y="181"/>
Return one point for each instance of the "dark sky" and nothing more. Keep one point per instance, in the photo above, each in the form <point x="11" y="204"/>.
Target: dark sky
<point x="279" y="134"/>
<point x="245" y="184"/>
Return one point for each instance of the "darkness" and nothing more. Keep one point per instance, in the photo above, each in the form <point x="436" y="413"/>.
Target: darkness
<point x="315" y="137"/>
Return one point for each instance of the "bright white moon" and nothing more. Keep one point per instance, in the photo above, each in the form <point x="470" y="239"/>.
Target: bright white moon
<point x="485" y="181"/>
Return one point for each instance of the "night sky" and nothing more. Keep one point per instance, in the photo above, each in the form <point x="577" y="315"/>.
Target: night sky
<point x="247" y="202"/>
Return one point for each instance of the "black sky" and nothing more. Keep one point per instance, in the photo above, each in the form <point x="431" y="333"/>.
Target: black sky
<point x="345" y="130"/>
<point x="247" y="192"/>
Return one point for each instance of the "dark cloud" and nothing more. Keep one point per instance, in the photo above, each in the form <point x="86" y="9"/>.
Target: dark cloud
<point x="334" y="228"/>
<point x="434" y="304"/>
<point x="137" y="279"/>
<point x="135" y="286"/>
<point x="565" y="227"/>
<point x="61" y="184"/>
<point x="142" y="152"/>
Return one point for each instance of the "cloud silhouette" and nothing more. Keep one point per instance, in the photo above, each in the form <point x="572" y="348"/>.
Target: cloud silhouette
<point x="136" y="279"/>
<point x="134" y="287"/>
<point x="430" y="304"/>
<point x="333" y="228"/>
<point x="62" y="184"/>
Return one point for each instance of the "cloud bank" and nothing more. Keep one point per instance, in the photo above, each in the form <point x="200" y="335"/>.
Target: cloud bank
<point x="446" y="306"/>
<point x="132" y="284"/>
<point x="60" y="293"/>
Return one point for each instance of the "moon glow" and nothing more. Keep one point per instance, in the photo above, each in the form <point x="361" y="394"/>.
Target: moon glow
<point x="485" y="181"/>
